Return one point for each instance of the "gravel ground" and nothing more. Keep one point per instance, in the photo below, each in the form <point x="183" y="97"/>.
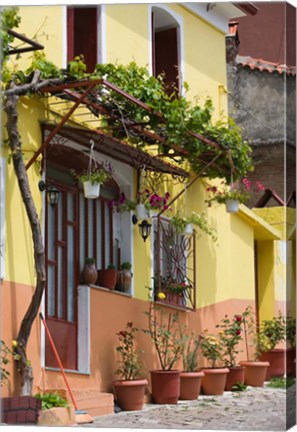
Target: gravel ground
<point x="266" y="409"/>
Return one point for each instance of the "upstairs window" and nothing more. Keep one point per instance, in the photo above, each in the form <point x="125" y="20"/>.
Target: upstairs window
<point x="166" y="51"/>
<point x="82" y="34"/>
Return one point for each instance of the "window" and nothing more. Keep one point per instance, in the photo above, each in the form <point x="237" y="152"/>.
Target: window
<point x="166" y="51"/>
<point x="82" y="34"/>
<point x="174" y="269"/>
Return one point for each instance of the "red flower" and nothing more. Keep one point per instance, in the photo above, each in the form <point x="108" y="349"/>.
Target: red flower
<point x="238" y="332"/>
<point x="238" y="318"/>
<point x="122" y="333"/>
<point x="130" y="324"/>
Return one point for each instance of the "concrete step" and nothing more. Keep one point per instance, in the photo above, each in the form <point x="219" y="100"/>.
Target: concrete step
<point x="94" y="402"/>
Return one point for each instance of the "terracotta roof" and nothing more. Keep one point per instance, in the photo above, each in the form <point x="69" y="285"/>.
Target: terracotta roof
<point x="263" y="65"/>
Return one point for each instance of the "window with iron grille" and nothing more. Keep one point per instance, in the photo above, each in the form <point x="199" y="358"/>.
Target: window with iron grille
<point x="174" y="266"/>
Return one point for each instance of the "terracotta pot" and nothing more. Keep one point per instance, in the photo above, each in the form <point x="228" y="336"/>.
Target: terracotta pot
<point x="214" y="381"/>
<point x="124" y="280"/>
<point x="89" y="274"/>
<point x="235" y="375"/>
<point x="107" y="278"/>
<point x="130" y="394"/>
<point x="276" y="358"/>
<point x="255" y="372"/>
<point x="165" y="386"/>
<point x="291" y="362"/>
<point x="174" y="299"/>
<point x="190" y="385"/>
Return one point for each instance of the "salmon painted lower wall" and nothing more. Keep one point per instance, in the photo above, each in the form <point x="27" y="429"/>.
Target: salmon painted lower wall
<point x="109" y="312"/>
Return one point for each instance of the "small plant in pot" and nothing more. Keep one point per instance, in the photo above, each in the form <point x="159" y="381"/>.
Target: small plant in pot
<point x="91" y="178"/>
<point x="271" y="333"/>
<point x="214" y="380"/>
<point x="130" y="388"/>
<point x="255" y="370"/>
<point x="230" y="333"/>
<point x="190" y="377"/>
<point x="184" y="225"/>
<point x="108" y="277"/>
<point x="125" y="277"/>
<point x="89" y="273"/>
<point x="164" y="332"/>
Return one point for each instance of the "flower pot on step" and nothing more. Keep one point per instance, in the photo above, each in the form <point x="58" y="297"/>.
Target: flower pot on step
<point x="130" y="394"/>
<point x="235" y="376"/>
<point x="190" y="385"/>
<point x="255" y="372"/>
<point x="165" y="386"/>
<point x="214" y="381"/>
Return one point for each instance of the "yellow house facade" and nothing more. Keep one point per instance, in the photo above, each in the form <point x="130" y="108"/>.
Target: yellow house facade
<point x="251" y="263"/>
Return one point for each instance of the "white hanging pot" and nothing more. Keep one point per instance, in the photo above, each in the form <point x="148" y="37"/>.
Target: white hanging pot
<point x="141" y="212"/>
<point x="188" y="229"/>
<point x="91" y="190"/>
<point x="232" y="205"/>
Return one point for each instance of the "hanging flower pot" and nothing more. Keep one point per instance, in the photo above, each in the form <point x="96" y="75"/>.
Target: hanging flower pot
<point x="91" y="190"/>
<point x="232" y="205"/>
<point x="141" y="212"/>
<point x="188" y="229"/>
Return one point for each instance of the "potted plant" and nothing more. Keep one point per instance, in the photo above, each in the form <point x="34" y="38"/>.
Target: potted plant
<point x="214" y="380"/>
<point x="108" y="277"/>
<point x="232" y="194"/>
<point x="125" y="277"/>
<point x="190" y="377"/>
<point x="291" y="346"/>
<point x="16" y="409"/>
<point x="169" y="290"/>
<point x="93" y="177"/>
<point x="271" y="333"/>
<point x="122" y="204"/>
<point x="184" y="225"/>
<point x="163" y="330"/>
<point x="130" y="388"/>
<point x="150" y="203"/>
<point x="55" y="410"/>
<point x="230" y="333"/>
<point x="254" y="369"/>
<point x="89" y="272"/>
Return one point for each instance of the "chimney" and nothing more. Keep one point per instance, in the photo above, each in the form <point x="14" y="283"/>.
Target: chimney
<point x="232" y="42"/>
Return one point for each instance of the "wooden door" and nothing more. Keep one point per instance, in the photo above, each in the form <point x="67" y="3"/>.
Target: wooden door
<point x="62" y="278"/>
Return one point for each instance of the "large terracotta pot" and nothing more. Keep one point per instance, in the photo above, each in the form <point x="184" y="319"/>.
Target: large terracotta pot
<point x="291" y="362"/>
<point x="107" y="278"/>
<point x="130" y="394"/>
<point x="165" y="386"/>
<point x="124" y="280"/>
<point x="190" y="385"/>
<point x="235" y="375"/>
<point x="276" y="358"/>
<point x="214" y="381"/>
<point x="255" y="372"/>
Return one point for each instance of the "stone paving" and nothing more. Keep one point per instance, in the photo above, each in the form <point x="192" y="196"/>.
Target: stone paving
<point x="266" y="409"/>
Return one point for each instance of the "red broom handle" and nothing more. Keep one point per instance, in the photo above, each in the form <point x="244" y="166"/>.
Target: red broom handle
<point x="58" y="359"/>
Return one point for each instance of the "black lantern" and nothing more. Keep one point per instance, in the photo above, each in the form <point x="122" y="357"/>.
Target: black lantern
<point x="145" y="229"/>
<point x="51" y="191"/>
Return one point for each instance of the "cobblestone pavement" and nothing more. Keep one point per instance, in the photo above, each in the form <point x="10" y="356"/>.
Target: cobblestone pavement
<point x="258" y="409"/>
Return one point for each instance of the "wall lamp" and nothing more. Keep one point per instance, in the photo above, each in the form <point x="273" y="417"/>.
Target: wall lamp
<point x="144" y="227"/>
<point x="51" y="191"/>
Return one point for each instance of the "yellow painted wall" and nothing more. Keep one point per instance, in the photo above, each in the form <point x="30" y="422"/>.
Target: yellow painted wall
<point x="266" y="279"/>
